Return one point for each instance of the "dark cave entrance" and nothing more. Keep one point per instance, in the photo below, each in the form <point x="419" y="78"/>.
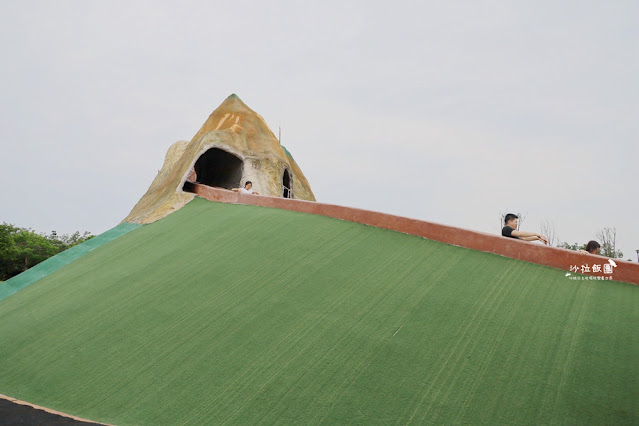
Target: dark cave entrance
<point x="219" y="168"/>
<point x="287" y="183"/>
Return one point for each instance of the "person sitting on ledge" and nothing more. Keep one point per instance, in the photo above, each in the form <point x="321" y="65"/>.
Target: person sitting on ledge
<point x="510" y="230"/>
<point x="247" y="189"/>
<point x="592" y="247"/>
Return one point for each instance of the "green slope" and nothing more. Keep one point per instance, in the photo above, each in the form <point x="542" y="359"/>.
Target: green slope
<point x="52" y="264"/>
<point x="238" y="314"/>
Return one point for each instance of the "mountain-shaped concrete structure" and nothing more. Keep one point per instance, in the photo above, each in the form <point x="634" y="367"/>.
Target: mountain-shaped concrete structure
<point x="234" y="145"/>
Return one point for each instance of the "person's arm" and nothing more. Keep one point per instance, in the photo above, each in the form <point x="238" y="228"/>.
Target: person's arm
<point x="235" y="189"/>
<point x="530" y="236"/>
<point x="523" y="234"/>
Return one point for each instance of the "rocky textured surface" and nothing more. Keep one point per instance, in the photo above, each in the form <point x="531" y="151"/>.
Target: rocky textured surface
<point x="236" y="129"/>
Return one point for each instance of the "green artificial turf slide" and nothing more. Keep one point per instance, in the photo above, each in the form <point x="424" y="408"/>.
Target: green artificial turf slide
<point x="242" y="315"/>
<point x="52" y="264"/>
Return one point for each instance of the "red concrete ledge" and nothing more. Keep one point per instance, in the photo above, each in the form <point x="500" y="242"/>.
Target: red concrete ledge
<point x="566" y="260"/>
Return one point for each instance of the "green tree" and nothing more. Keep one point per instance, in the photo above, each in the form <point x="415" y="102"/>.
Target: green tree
<point x="31" y="249"/>
<point x="56" y="241"/>
<point x="22" y="248"/>
<point x="65" y="241"/>
<point x="8" y="250"/>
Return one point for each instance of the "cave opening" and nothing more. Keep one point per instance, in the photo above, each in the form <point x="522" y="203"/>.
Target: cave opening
<point x="218" y="168"/>
<point x="287" y="183"/>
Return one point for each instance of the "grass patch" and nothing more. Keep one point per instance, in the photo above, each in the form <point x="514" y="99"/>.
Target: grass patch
<point x="240" y="314"/>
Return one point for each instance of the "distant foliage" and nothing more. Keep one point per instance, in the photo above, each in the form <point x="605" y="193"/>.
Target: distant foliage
<point x="22" y="248"/>
<point x="575" y="246"/>
<point x="608" y="239"/>
<point x="607" y="248"/>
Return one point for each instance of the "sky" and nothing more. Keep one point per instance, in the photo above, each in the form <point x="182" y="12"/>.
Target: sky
<point x="451" y="112"/>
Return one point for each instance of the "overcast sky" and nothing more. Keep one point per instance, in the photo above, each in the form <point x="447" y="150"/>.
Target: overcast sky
<point x="452" y="112"/>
